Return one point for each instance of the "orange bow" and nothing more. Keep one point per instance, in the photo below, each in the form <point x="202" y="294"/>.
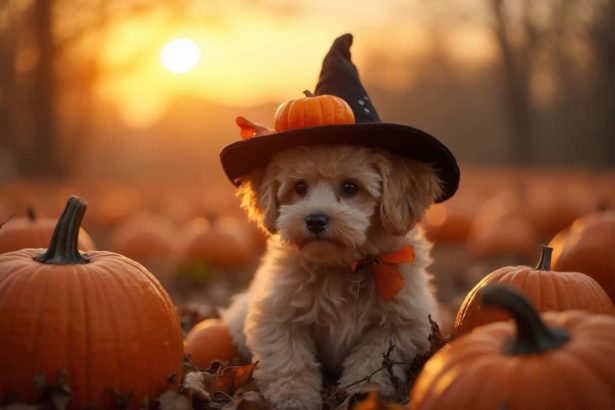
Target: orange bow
<point x="386" y="270"/>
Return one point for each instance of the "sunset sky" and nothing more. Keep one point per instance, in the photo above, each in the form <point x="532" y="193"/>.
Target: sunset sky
<point x="270" y="50"/>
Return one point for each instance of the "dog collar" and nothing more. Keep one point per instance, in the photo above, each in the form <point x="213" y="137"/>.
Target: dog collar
<point x="389" y="280"/>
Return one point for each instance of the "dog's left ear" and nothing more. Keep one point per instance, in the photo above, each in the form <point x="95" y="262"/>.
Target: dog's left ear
<point x="408" y="188"/>
<point x="258" y="195"/>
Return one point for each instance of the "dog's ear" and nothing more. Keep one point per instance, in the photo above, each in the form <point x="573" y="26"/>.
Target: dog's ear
<point x="258" y="195"/>
<point x="408" y="189"/>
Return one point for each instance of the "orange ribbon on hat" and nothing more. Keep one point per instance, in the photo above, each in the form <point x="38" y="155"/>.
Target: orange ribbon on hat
<point x="389" y="280"/>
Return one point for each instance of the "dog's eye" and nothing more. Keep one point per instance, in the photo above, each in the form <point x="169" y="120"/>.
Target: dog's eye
<point x="349" y="188"/>
<point x="301" y="187"/>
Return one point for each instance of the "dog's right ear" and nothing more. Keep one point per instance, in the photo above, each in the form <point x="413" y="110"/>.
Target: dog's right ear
<point x="258" y="195"/>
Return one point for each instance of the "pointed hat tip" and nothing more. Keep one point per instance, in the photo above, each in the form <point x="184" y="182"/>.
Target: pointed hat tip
<point x="342" y="44"/>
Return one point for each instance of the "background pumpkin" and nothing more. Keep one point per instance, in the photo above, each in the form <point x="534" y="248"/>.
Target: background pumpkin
<point x="99" y="315"/>
<point x="502" y="228"/>
<point x="546" y="289"/>
<point x="224" y="242"/>
<point x="587" y="246"/>
<point x="311" y="111"/>
<point x="34" y="232"/>
<point x="566" y="363"/>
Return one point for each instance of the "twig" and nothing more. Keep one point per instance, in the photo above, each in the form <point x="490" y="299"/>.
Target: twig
<point x="386" y="364"/>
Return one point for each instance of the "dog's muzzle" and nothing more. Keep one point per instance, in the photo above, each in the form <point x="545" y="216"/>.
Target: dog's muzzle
<point x="316" y="223"/>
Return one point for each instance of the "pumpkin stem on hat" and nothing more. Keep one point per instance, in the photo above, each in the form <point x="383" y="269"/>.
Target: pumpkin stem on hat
<point x="63" y="249"/>
<point x="308" y="93"/>
<point x="545" y="258"/>
<point x="533" y="335"/>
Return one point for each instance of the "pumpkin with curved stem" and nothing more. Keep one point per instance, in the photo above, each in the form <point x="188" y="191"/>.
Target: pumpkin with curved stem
<point x="546" y="289"/>
<point x="587" y="247"/>
<point x="34" y="232"/>
<point x="99" y="316"/>
<point x="312" y="111"/>
<point x="563" y="360"/>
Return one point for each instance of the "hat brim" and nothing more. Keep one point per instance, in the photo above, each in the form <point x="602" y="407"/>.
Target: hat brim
<point x="242" y="157"/>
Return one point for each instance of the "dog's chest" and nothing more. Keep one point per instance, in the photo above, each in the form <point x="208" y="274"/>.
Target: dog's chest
<point x="343" y="310"/>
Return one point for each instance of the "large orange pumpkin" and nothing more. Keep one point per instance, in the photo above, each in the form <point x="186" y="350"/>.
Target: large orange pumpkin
<point x="312" y="111"/>
<point x="588" y="247"/>
<point x="563" y="361"/>
<point x="210" y="340"/>
<point x="546" y="289"/>
<point x="99" y="315"/>
<point x="34" y="232"/>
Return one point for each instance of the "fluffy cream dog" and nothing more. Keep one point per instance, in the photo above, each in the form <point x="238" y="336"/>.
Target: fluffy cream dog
<point x="306" y="311"/>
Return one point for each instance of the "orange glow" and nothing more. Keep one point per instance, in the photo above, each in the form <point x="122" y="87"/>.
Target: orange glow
<point x="257" y="56"/>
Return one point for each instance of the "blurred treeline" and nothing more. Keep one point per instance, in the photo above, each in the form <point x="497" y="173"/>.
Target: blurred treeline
<point x="548" y="98"/>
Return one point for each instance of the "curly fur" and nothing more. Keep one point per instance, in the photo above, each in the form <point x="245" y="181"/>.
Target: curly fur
<point x="305" y="311"/>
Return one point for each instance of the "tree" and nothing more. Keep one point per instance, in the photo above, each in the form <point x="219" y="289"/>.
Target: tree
<point x="29" y="96"/>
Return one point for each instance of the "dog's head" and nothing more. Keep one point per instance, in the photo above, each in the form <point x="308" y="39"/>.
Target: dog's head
<point x="328" y="201"/>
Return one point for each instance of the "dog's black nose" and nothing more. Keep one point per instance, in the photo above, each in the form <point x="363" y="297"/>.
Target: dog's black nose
<point x="316" y="222"/>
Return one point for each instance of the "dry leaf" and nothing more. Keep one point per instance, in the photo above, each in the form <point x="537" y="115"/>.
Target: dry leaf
<point x="194" y="386"/>
<point x="228" y="379"/>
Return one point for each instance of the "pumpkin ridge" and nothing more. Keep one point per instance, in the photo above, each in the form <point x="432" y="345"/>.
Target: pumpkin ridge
<point x="116" y="352"/>
<point x="86" y="324"/>
<point x="136" y="317"/>
<point x="39" y="317"/>
<point x="17" y="312"/>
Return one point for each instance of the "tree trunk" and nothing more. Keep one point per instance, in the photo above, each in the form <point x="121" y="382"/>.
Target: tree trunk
<point x="45" y="149"/>
<point x="604" y="49"/>
<point x="517" y="71"/>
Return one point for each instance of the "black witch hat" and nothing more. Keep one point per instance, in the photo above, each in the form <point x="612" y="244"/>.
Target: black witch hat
<point x="340" y="77"/>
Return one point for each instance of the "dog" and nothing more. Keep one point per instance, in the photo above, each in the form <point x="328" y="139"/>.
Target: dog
<point x="307" y="311"/>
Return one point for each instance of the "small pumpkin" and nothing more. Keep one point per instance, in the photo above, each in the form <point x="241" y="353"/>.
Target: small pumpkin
<point x="210" y="340"/>
<point x="587" y="246"/>
<point x="311" y="111"/>
<point x="546" y="289"/>
<point x="563" y="360"/>
<point x="35" y="232"/>
<point x="100" y="316"/>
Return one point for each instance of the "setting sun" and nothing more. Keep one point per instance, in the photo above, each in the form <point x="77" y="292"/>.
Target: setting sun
<point x="180" y="55"/>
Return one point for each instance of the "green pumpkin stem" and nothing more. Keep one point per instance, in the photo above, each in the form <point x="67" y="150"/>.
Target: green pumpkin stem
<point x="63" y="248"/>
<point x="308" y="93"/>
<point x="545" y="258"/>
<point x="533" y="336"/>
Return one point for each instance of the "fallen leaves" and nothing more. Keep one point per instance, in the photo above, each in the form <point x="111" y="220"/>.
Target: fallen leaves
<point x="219" y="387"/>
